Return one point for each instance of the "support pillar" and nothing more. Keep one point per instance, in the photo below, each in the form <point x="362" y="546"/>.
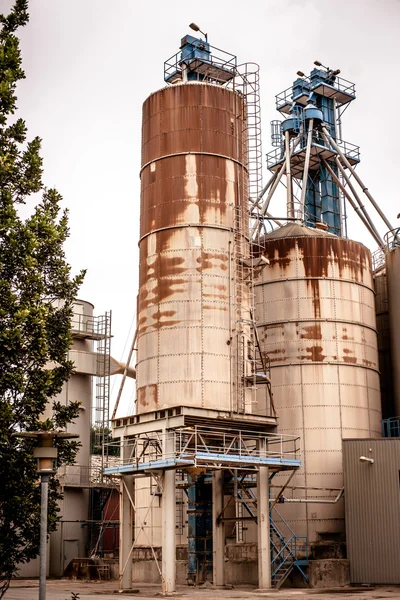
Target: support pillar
<point x="125" y="532"/>
<point x="218" y="528"/>
<point x="263" y="532"/>
<point x="168" y="521"/>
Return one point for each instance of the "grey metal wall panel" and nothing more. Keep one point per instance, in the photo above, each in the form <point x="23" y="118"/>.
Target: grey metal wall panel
<point x="372" y="501"/>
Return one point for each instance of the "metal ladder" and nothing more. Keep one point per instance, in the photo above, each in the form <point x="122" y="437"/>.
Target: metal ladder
<point x="102" y="400"/>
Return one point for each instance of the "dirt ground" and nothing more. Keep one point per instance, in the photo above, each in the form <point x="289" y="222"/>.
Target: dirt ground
<point x="63" y="589"/>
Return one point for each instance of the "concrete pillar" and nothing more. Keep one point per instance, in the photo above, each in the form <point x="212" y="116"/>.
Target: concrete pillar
<point x="125" y="533"/>
<point x="218" y="528"/>
<point x="263" y="533"/>
<point x="168" y="521"/>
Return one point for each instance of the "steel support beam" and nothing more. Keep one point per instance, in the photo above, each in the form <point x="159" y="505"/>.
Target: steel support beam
<point x="168" y="521"/>
<point x="218" y="527"/>
<point x="125" y="532"/>
<point x="263" y="534"/>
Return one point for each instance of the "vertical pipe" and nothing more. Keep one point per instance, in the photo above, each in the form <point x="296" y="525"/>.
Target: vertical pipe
<point x="125" y="533"/>
<point x="289" y="201"/>
<point x="44" y="497"/>
<point x="218" y="527"/>
<point x="168" y="520"/>
<point x="263" y="533"/>
<point x="306" y="167"/>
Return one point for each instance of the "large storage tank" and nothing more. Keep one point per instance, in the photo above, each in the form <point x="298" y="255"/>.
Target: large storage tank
<point x="316" y="322"/>
<point x="393" y="286"/>
<point x="384" y="343"/>
<point x="194" y="194"/>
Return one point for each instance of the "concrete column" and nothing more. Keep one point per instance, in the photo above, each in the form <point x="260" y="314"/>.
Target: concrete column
<point x="263" y="533"/>
<point x="168" y="521"/>
<point x="218" y="528"/>
<point x="125" y="533"/>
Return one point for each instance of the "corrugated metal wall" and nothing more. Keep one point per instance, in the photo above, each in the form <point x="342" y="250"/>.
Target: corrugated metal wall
<point x="372" y="500"/>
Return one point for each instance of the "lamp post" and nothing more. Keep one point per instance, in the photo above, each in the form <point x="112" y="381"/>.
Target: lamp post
<point x="46" y="454"/>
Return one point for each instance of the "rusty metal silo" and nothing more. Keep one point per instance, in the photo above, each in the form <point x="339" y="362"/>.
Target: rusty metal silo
<point x="194" y="195"/>
<point x="316" y="322"/>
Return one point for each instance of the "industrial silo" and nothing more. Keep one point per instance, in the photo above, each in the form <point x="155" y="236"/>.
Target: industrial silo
<point x="316" y="321"/>
<point x="393" y="288"/>
<point x="383" y="329"/>
<point x="193" y="222"/>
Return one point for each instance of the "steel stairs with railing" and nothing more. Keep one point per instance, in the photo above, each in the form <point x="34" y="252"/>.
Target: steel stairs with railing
<point x="289" y="552"/>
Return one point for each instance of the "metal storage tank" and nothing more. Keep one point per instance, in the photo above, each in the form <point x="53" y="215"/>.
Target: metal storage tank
<point x="393" y="285"/>
<point x="194" y="195"/>
<point x="384" y="344"/>
<point x="316" y="321"/>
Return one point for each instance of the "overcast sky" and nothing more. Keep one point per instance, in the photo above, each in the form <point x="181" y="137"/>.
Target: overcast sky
<point x="90" y="64"/>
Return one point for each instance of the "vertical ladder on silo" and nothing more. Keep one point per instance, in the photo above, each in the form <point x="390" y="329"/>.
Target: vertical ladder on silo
<point x="102" y="400"/>
<point x="239" y="298"/>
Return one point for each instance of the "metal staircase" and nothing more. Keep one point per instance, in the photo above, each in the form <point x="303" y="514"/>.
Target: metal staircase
<point x="289" y="552"/>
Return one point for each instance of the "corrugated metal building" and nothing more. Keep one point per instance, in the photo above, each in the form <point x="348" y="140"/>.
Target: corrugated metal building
<point x="372" y="500"/>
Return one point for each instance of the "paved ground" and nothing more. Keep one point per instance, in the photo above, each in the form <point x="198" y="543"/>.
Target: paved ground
<point x="63" y="589"/>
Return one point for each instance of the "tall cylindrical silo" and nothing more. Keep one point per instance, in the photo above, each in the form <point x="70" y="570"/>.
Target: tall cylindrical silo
<point x="393" y="286"/>
<point x="384" y="343"/>
<point x="193" y="198"/>
<point x="316" y="322"/>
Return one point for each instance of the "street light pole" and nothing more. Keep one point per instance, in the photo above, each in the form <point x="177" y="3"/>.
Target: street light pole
<point x="44" y="499"/>
<point x="46" y="454"/>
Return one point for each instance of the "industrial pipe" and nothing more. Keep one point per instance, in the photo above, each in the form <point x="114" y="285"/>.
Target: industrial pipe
<point x="356" y="196"/>
<point x="306" y="167"/>
<point x="265" y="188"/>
<point x="330" y="140"/>
<point x="366" y="220"/>
<point x="289" y="201"/>
<point x="315" y="500"/>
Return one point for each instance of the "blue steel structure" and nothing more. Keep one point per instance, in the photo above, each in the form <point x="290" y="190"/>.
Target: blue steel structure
<point x="321" y="96"/>
<point x="391" y="427"/>
<point x="197" y="60"/>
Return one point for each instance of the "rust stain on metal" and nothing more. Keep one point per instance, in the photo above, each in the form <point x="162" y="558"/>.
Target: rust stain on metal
<point x="314" y="354"/>
<point x="312" y="332"/>
<point x="148" y="396"/>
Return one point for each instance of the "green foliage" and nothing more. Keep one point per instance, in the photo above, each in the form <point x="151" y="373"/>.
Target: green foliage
<point x="37" y="292"/>
<point x="98" y="436"/>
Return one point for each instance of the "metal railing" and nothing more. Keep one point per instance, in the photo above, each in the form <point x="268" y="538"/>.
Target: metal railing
<point x="218" y="58"/>
<point x="287" y="552"/>
<point x="204" y="446"/>
<point x="306" y="86"/>
<point x="391" y="427"/>
<point x="277" y="155"/>
<point x="87" y="324"/>
<point x="392" y="239"/>
<point x="378" y="259"/>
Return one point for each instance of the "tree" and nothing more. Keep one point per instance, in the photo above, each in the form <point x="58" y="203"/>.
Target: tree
<point x="37" y="292"/>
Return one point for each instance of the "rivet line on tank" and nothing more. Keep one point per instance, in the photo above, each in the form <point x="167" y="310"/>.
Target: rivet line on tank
<point x="278" y="365"/>
<point x="223" y="156"/>
<point x="279" y="280"/>
<point x="184" y="226"/>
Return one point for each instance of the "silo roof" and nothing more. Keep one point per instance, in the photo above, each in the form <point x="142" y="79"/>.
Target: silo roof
<point x="291" y="230"/>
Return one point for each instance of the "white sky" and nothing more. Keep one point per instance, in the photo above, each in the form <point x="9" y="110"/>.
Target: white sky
<point x="90" y="64"/>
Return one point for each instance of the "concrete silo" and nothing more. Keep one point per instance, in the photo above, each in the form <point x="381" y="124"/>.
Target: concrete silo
<point x="316" y="322"/>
